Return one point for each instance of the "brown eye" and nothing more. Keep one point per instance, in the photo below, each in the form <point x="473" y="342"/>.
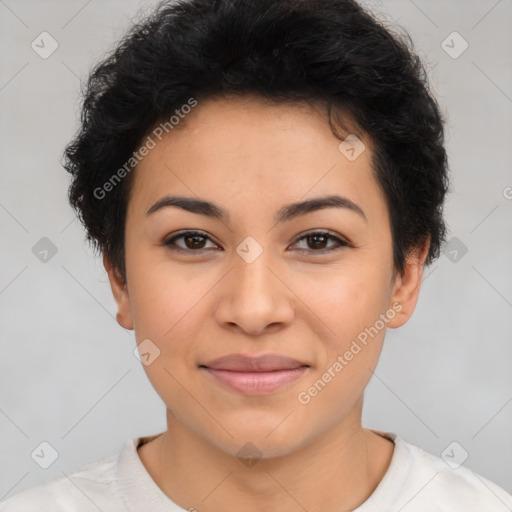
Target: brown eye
<point x="317" y="242"/>
<point x="190" y="241"/>
<point x="194" y="241"/>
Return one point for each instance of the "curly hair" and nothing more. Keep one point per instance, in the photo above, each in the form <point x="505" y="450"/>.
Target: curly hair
<point x="332" y="52"/>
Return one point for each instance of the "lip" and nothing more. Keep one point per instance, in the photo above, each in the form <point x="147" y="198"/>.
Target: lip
<point x="258" y="375"/>
<point x="261" y="363"/>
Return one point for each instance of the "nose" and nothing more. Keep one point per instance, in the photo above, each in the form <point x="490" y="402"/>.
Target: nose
<point x="254" y="297"/>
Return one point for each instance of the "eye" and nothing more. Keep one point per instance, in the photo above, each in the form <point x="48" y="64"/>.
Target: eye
<point x="318" y="240"/>
<point x="194" y="241"/>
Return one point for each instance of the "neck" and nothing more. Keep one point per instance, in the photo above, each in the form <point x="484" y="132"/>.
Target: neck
<point x="337" y="471"/>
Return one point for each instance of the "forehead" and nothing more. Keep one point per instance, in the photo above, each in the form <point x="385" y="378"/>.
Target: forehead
<point x="244" y="148"/>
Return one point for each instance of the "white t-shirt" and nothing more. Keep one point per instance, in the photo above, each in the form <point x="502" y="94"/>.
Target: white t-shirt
<point x="415" y="481"/>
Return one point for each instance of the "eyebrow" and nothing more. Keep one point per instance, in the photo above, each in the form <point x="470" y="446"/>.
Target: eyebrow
<point x="286" y="213"/>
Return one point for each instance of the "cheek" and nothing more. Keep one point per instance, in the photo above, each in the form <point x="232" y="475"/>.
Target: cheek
<point x="163" y="307"/>
<point x="163" y="299"/>
<point x="350" y="350"/>
<point x="345" y="300"/>
<point x="168" y="309"/>
<point x="348" y="304"/>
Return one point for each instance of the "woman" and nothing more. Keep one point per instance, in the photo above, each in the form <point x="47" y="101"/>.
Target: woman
<point x="265" y="181"/>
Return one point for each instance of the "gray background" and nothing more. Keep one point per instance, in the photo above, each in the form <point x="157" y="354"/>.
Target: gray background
<point x="68" y="375"/>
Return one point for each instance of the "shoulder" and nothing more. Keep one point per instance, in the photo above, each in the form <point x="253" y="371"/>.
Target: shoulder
<point x="437" y="484"/>
<point x="85" y="488"/>
<point x="418" y="481"/>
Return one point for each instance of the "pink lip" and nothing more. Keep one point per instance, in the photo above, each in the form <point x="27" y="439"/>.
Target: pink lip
<point x="255" y="375"/>
<point x="256" y="383"/>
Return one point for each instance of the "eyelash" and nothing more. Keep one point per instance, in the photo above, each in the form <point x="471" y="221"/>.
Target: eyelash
<point x="170" y="242"/>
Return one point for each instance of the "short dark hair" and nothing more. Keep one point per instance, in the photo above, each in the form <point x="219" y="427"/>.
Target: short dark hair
<point x="329" y="52"/>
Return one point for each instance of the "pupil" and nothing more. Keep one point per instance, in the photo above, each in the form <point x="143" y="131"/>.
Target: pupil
<point x="315" y="239"/>
<point x="195" y="244"/>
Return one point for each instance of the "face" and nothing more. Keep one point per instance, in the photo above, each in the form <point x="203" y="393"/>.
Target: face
<point x="309" y="289"/>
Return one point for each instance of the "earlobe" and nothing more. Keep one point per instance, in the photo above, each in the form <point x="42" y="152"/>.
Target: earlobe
<point x="120" y="292"/>
<point x="407" y="285"/>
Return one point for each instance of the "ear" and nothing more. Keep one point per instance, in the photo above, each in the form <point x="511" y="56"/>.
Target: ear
<point x="406" y="288"/>
<point x="120" y="293"/>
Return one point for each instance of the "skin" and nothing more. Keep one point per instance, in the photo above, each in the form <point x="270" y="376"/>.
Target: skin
<point x="251" y="157"/>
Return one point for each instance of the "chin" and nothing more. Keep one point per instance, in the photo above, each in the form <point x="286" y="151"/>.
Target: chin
<point x="261" y="441"/>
